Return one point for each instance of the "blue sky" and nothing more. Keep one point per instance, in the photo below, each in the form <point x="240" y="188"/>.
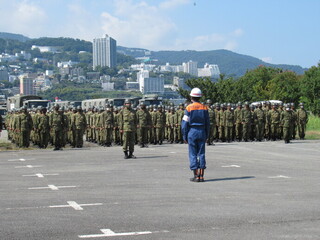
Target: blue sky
<point x="276" y="31"/>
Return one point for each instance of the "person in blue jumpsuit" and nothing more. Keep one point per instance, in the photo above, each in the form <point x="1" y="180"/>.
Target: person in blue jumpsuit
<point x="195" y="129"/>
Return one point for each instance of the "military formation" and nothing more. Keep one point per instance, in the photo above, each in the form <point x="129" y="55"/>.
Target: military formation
<point x="57" y="127"/>
<point x="261" y="122"/>
<point x="153" y="124"/>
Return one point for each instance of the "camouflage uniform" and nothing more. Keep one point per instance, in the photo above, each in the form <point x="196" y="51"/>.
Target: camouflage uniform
<point x="143" y="125"/>
<point x="109" y="124"/>
<point x="24" y="125"/>
<point x="128" y="125"/>
<point x="286" y="122"/>
<point x="44" y="129"/>
<point x="246" y="122"/>
<point x="57" y="126"/>
<point x="228" y="118"/>
<point x="238" y="122"/>
<point x="79" y="124"/>
<point x="160" y="122"/>
<point x="274" y="121"/>
<point x="259" y="118"/>
<point x="302" y="120"/>
<point x="212" y="132"/>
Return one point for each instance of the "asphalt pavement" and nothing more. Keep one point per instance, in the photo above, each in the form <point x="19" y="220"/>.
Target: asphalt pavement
<point x="263" y="190"/>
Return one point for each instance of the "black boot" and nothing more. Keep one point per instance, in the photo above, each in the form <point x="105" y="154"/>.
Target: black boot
<point x="201" y="173"/>
<point x="126" y="155"/>
<point x="195" y="176"/>
<point x="131" y="155"/>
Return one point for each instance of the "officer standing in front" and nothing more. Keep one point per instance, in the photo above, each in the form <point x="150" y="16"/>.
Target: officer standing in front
<point x="128" y="127"/>
<point x="195" y="129"/>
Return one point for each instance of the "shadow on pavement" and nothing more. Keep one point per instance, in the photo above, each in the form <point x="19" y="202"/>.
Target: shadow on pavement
<point x="227" y="179"/>
<point x="152" y="157"/>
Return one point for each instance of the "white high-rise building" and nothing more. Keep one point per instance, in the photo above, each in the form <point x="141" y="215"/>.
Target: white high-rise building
<point x="191" y="68"/>
<point x="26" y="85"/>
<point x="149" y="84"/>
<point x="104" y="52"/>
<point x="209" y="70"/>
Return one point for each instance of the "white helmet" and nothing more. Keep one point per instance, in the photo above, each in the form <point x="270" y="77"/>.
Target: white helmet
<point x="196" y="92"/>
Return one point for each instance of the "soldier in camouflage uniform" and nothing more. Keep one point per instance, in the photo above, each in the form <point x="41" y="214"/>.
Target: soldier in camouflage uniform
<point x="267" y="131"/>
<point x="160" y="122"/>
<point x="274" y="121"/>
<point x="246" y="122"/>
<point x="228" y="122"/>
<point x="216" y="111"/>
<point x="43" y="128"/>
<point x="259" y="118"/>
<point x="221" y="123"/>
<point x="100" y="127"/>
<point x="252" y="125"/>
<point x="170" y="124"/>
<point x="36" y="135"/>
<point x="152" y="134"/>
<point x="302" y="120"/>
<point x="128" y="126"/>
<point x="179" y="116"/>
<point x="281" y="109"/>
<point x="57" y="126"/>
<point x="88" y="128"/>
<point x="94" y="122"/>
<point x="286" y="122"/>
<point x="117" y="137"/>
<point x="294" y="121"/>
<point x="238" y="121"/>
<point x="24" y="125"/>
<point x="79" y="124"/>
<point x="143" y="125"/>
<point x="212" y="117"/>
<point x="65" y="126"/>
<point x="109" y="124"/>
<point x="68" y="115"/>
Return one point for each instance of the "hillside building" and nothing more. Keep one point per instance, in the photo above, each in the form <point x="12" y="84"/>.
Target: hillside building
<point x="104" y="52"/>
<point x="209" y="70"/>
<point x="26" y="85"/>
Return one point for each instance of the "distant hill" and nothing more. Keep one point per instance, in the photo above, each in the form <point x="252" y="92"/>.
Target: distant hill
<point x="230" y="63"/>
<point x="14" y="36"/>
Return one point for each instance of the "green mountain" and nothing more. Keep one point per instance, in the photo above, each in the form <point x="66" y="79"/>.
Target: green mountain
<point x="14" y="36"/>
<point x="230" y="63"/>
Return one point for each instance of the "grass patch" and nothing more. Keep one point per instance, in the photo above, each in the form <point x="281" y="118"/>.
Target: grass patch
<point x="313" y="128"/>
<point x="4" y="146"/>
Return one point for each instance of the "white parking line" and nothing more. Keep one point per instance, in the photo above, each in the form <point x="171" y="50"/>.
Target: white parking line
<point x="230" y="166"/>
<point x="109" y="233"/>
<point x="52" y="187"/>
<point x="20" y="160"/>
<point x="28" y="166"/>
<point x="76" y="206"/>
<point x="279" y="176"/>
<point x="40" y="175"/>
<point x="61" y="206"/>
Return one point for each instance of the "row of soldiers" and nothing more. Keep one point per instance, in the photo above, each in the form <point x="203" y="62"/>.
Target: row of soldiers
<point x="41" y="128"/>
<point x="256" y="123"/>
<point x="154" y="125"/>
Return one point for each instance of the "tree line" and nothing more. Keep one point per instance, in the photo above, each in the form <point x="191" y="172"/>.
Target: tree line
<point x="261" y="84"/>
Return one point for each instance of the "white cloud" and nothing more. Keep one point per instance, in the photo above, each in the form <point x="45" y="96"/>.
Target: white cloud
<point x="267" y="59"/>
<point x="138" y="25"/>
<point x="22" y="17"/>
<point x="169" y="4"/>
<point x="227" y="41"/>
<point x="80" y="23"/>
<point x="237" y="33"/>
